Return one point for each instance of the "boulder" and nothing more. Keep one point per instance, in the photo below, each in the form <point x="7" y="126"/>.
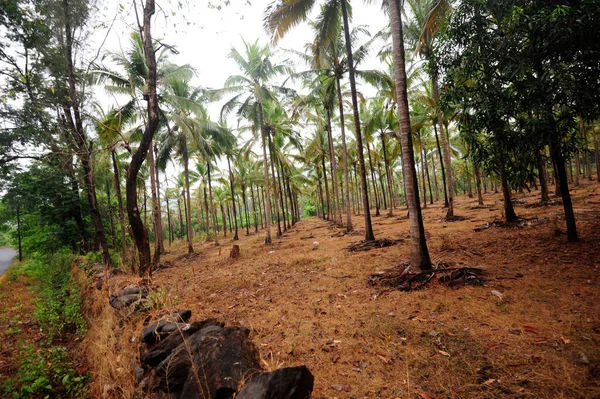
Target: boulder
<point x="210" y="364"/>
<point x="286" y="383"/>
<point x="159" y="352"/>
<point x="164" y="327"/>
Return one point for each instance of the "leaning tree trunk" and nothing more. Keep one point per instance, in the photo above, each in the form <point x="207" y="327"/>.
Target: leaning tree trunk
<point x="349" y="226"/>
<point x="140" y="233"/>
<point x="80" y="139"/>
<point x="369" y="236"/>
<point x="419" y="254"/>
<point x="559" y="162"/>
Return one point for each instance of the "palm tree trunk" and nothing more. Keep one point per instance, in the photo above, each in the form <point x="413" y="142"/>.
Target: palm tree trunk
<point x="326" y="186"/>
<point x="188" y="203"/>
<point x="181" y="227"/>
<point x="212" y="205"/>
<point x="246" y="210"/>
<point x="206" y="213"/>
<point x="373" y="181"/>
<point x="441" y="157"/>
<point x="427" y="175"/>
<point x="435" y="182"/>
<point x="272" y="156"/>
<point x="120" y="202"/>
<point x="281" y="196"/>
<point x="423" y="181"/>
<point x="161" y="239"/>
<point x="369" y="236"/>
<point x="169" y="223"/>
<point x="255" y="214"/>
<point x="445" y="148"/>
<point x="231" y="185"/>
<point x="419" y="253"/>
<point x="349" y="226"/>
<point x="388" y="176"/>
<point x="224" y="220"/>
<point x="155" y="206"/>
<point x="333" y="166"/>
<point x="469" y="184"/>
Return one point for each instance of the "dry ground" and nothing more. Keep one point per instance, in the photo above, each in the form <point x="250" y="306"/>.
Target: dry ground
<point x="315" y="307"/>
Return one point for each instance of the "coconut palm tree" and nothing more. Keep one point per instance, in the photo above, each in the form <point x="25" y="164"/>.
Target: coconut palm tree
<point x="253" y="90"/>
<point x="419" y="252"/>
<point x="281" y="16"/>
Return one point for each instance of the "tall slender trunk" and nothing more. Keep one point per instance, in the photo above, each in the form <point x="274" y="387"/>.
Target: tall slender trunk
<point x="586" y="152"/>
<point x="445" y="148"/>
<point x="80" y="139"/>
<point x="577" y="168"/>
<point x="138" y="229"/>
<point x="369" y="236"/>
<point x="388" y="176"/>
<point x="478" y="183"/>
<point x="224" y="220"/>
<point x="279" y="168"/>
<point x="423" y="181"/>
<point x="169" y="222"/>
<point x="427" y="175"/>
<point x="373" y="180"/>
<point x="120" y="202"/>
<point x="188" y="202"/>
<point x="254" y="209"/>
<point x="469" y="184"/>
<point x="181" y="226"/>
<point x="19" y="232"/>
<point x="160" y="237"/>
<point x="155" y="206"/>
<point x="326" y="187"/>
<point x="596" y="155"/>
<point x="383" y="193"/>
<point x="212" y="205"/>
<point x="333" y="166"/>
<point x="435" y="182"/>
<point x="441" y="157"/>
<point x="206" y="213"/>
<point x="231" y="185"/>
<point x="245" y="210"/>
<point x="76" y="213"/>
<point x="349" y="226"/>
<point x="320" y="186"/>
<point x="419" y="254"/>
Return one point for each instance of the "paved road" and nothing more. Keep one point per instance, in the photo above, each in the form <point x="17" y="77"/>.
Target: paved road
<point x="6" y="258"/>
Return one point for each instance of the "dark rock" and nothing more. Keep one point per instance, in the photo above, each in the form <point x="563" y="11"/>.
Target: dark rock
<point x="166" y="326"/>
<point x="122" y="301"/>
<point x="161" y="350"/>
<point x="210" y="364"/>
<point x="287" y="383"/>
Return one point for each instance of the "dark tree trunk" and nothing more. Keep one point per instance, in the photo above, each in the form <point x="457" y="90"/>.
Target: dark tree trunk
<point x="326" y="186"/>
<point x="272" y="156"/>
<point x="369" y="236"/>
<point x="373" y="181"/>
<point x="332" y="164"/>
<point x="255" y="214"/>
<point x="19" y="232"/>
<point x="169" y="223"/>
<point x="181" y="226"/>
<point x="155" y="207"/>
<point x="212" y="206"/>
<point x="388" y="176"/>
<point x="246" y="210"/>
<point x="139" y="231"/>
<point x="80" y="139"/>
<point x="160" y="237"/>
<point x="509" y="211"/>
<point x="566" y="196"/>
<point x="543" y="176"/>
<point x="596" y="160"/>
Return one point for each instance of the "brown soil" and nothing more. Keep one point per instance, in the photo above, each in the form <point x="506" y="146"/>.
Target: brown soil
<point x="311" y="304"/>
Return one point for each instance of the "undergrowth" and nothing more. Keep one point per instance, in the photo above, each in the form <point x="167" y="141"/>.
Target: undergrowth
<point x="45" y="370"/>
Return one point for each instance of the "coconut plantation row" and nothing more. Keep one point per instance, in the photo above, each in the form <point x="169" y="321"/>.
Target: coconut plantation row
<point x="397" y="177"/>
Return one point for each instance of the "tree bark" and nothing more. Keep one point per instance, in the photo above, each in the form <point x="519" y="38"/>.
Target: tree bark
<point x="188" y="201"/>
<point x="559" y="161"/>
<point x="388" y="176"/>
<point x="509" y="211"/>
<point x="80" y="139"/>
<point x="332" y="164"/>
<point x="140" y="233"/>
<point x="596" y="160"/>
<point x="155" y="207"/>
<point x="441" y="157"/>
<point x="369" y="236"/>
<point x="419" y="254"/>
<point x="212" y="206"/>
<point x="543" y="177"/>
<point x="349" y="226"/>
